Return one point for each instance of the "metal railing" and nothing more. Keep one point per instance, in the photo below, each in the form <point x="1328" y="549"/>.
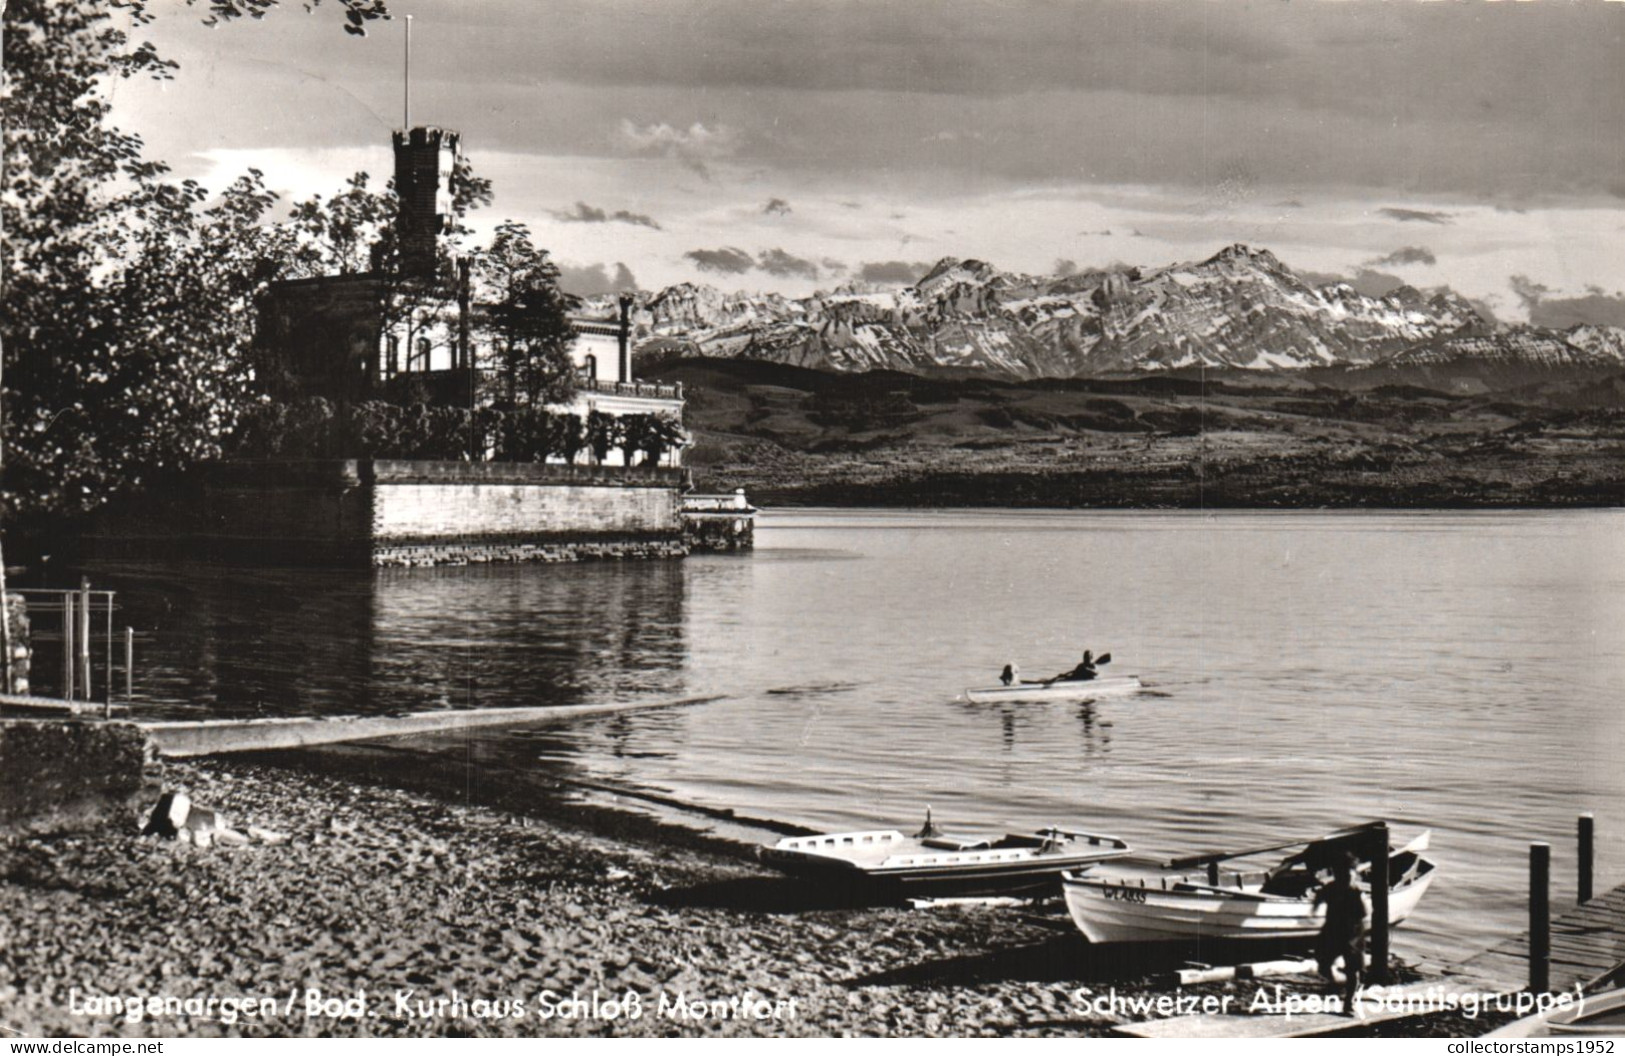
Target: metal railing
<point x="715" y="503"/>
<point x="649" y="389"/>
<point x="78" y="634"/>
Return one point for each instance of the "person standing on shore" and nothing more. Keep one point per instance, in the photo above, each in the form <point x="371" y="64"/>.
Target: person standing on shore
<point x="1342" y="936"/>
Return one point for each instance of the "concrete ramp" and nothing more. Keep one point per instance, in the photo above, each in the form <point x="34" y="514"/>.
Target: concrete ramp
<point x="219" y="736"/>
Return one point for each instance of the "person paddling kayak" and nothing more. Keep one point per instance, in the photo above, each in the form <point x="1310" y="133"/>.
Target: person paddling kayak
<point x="1082" y="673"/>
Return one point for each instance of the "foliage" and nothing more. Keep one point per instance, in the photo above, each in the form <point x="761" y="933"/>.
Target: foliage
<point x="528" y="317"/>
<point x="603" y="432"/>
<point x="317" y="428"/>
<point x="129" y="298"/>
<point x="357" y="13"/>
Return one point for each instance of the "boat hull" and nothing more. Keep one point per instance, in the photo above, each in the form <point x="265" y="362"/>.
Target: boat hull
<point x="1112" y="910"/>
<point x="888" y="863"/>
<point x="1097" y="687"/>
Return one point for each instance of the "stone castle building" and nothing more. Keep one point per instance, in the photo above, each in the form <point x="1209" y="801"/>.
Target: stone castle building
<point x="402" y="337"/>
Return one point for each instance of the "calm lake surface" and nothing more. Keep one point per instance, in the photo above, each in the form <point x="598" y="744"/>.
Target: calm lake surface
<point x="1463" y="672"/>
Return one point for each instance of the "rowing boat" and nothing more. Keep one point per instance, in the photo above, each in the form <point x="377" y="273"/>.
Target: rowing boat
<point x="1144" y="902"/>
<point x="938" y="864"/>
<point x="1039" y="691"/>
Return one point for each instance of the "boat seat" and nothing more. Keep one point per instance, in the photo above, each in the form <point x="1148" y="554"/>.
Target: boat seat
<point x="956" y="843"/>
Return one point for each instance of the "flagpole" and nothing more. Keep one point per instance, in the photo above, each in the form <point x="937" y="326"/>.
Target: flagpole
<point x="406" y="80"/>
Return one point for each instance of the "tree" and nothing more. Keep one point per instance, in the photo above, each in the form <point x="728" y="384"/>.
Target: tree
<point x="528" y="317"/>
<point x="663" y="433"/>
<point x="102" y="368"/>
<point x="129" y="300"/>
<point x="570" y="437"/>
<point x="128" y="304"/>
<point x="630" y="434"/>
<point x="603" y="432"/>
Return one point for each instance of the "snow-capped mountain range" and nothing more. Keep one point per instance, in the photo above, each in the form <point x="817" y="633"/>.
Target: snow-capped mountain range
<point x="1241" y="308"/>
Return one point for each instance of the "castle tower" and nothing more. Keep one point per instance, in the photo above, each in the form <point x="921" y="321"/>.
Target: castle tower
<point x="425" y="161"/>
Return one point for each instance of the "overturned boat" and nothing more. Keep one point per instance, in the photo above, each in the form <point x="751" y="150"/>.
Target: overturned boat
<point x="1147" y="902"/>
<point x="932" y="863"/>
<point x="1062" y="690"/>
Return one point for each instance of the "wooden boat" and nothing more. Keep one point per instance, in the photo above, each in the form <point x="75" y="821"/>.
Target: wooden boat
<point x="938" y="864"/>
<point x="1595" y="1014"/>
<point x="1146" y="902"/>
<point x="1038" y="691"/>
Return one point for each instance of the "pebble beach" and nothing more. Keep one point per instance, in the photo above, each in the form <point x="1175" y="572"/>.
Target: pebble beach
<point x="395" y="912"/>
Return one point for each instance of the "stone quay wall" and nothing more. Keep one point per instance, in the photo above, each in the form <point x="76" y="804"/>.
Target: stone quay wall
<point x="394" y="512"/>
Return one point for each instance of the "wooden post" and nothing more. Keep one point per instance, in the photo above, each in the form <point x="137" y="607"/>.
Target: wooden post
<point x="107" y="665"/>
<point x="84" y="637"/>
<point x="1588" y="837"/>
<point x="8" y="677"/>
<point x="129" y="664"/>
<point x="1378" y="972"/>
<point x="68" y="622"/>
<point x="1540" y="917"/>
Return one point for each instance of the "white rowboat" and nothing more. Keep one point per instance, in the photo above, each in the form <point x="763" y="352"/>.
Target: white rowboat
<point x="1037" y="692"/>
<point x="941" y="864"/>
<point x="1123" y="902"/>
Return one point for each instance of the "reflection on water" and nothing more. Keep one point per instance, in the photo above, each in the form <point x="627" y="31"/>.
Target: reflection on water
<point x="289" y="642"/>
<point x="1458" y="671"/>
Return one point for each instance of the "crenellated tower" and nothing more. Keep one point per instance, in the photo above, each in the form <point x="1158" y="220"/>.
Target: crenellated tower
<point x="426" y="160"/>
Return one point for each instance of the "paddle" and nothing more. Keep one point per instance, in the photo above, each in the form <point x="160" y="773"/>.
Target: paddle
<point x="1204" y="859"/>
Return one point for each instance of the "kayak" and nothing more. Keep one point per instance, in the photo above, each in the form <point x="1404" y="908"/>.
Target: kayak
<point x="1088" y="690"/>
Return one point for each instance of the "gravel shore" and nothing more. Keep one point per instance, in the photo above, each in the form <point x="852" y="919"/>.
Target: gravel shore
<point x="442" y="919"/>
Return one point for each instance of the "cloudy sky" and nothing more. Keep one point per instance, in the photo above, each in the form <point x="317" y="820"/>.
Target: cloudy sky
<point x="796" y="144"/>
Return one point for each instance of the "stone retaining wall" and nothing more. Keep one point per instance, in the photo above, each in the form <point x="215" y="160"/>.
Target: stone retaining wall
<point x="391" y="512"/>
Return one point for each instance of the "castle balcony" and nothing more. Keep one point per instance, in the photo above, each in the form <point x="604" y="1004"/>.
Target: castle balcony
<point x="645" y="389"/>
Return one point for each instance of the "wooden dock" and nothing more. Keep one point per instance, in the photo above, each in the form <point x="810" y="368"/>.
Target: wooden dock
<point x="1588" y="941"/>
<point x="1391" y="1008"/>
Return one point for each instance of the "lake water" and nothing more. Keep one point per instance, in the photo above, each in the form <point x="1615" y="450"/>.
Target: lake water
<point x="1464" y="672"/>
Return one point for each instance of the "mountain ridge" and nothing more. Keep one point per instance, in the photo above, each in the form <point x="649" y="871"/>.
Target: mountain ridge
<point x="1241" y="308"/>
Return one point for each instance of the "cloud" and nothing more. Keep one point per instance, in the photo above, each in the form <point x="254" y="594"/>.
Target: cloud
<point x="692" y="147"/>
<point x="894" y="271"/>
<point x="1064" y="267"/>
<point x="779" y="263"/>
<point x="1420" y="216"/>
<point x="594" y="279"/>
<point x="1597" y="306"/>
<point x="1406" y="255"/>
<point x="776" y="207"/>
<point x="588" y="214"/>
<point x="833" y="266"/>
<point x="727" y="261"/>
